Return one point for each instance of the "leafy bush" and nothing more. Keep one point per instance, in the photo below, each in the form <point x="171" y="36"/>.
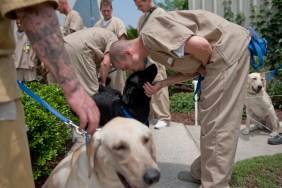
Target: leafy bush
<point x="47" y="134"/>
<point x="275" y="92"/>
<point x="182" y="102"/>
<point x="267" y="21"/>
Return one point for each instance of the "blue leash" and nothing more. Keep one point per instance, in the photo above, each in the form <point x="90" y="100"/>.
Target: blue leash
<point x="272" y="73"/>
<point x="52" y="110"/>
<point x="127" y="114"/>
<point x="198" y="87"/>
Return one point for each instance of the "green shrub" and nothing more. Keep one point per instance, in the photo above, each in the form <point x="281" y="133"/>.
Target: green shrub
<point x="275" y="92"/>
<point x="182" y="102"/>
<point x="47" y="134"/>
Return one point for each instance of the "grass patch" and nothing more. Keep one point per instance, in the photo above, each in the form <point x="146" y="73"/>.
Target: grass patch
<point x="263" y="171"/>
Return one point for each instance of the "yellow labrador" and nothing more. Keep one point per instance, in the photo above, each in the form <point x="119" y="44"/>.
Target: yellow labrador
<point x="259" y="106"/>
<point x="120" y="155"/>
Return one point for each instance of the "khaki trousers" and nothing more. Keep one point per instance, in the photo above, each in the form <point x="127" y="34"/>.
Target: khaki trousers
<point x="159" y="105"/>
<point x="220" y="111"/>
<point x="15" y="164"/>
<point x="118" y="79"/>
<point x="26" y="74"/>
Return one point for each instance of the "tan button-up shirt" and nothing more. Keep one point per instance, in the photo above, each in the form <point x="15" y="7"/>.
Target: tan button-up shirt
<point x="8" y="86"/>
<point x="73" y="22"/>
<point x="114" y="25"/>
<point x="89" y="46"/>
<point x="164" y="34"/>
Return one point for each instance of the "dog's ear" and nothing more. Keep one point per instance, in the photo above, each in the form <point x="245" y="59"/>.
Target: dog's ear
<point x="153" y="149"/>
<point x="262" y="75"/>
<point x="151" y="72"/>
<point x="91" y="148"/>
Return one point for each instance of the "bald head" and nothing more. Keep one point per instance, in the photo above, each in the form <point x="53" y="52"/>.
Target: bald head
<point x="116" y="51"/>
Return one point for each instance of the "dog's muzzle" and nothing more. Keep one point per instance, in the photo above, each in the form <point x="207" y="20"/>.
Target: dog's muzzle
<point x="258" y="89"/>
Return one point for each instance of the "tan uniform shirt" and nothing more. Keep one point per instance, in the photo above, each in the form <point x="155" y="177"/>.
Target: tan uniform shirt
<point x="73" y="22"/>
<point x="147" y="16"/>
<point x="115" y="25"/>
<point x="8" y="86"/>
<point x="90" y="45"/>
<point x="23" y="54"/>
<point x="166" y="33"/>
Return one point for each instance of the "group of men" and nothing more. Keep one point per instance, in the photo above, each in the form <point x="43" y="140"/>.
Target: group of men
<point x="197" y="42"/>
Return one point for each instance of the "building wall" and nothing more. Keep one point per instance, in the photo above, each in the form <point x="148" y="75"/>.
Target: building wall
<point x="216" y="6"/>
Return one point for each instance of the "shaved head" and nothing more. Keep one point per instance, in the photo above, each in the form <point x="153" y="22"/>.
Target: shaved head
<point x="116" y="51"/>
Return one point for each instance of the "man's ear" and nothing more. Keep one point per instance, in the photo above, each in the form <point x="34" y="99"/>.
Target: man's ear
<point x="127" y="53"/>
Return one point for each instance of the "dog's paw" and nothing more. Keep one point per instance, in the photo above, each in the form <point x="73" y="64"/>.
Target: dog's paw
<point x="274" y="133"/>
<point x="246" y="131"/>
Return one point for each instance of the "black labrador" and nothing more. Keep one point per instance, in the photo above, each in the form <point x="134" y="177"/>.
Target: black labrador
<point x="133" y="103"/>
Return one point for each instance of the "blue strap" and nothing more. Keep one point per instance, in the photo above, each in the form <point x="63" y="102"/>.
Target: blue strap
<point x="124" y="111"/>
<point x="42" y="102"/>
<point x="127" y="114"/>
<point x="198" y="87"/>
<point x="257" y="47"/>
<point x="48" y="107"/>
<point x="272" y="73"/>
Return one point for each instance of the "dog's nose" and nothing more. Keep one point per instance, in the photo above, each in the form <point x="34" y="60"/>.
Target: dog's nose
<point x="151" y="176"/>
<point x="259" y="87"/>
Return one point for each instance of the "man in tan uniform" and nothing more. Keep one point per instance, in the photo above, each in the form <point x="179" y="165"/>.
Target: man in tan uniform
<point x="191" y="43"/>
<point x="86" y="49"/>
<point x="41" y="25"/>
<point x="160" y="101"/>
<point x="24" y="56"/>
<point x="115" y="25"/>
<point x="73" y="21"/>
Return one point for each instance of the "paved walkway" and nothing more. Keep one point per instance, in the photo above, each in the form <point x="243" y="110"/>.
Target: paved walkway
<point x="178" y="145"/>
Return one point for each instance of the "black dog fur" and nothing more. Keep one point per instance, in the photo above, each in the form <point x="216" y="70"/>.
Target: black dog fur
<point x="111" y="103"/>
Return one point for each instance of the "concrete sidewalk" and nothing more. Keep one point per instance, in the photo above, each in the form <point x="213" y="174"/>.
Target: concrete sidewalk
<point x="178" y="145"/>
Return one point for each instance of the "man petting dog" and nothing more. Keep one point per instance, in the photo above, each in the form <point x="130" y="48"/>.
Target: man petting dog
<point x="191" y="43"/>
<point x="86" y="50"/>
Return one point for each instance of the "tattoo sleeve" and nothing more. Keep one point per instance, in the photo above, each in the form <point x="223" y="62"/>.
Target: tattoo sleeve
<point x="42" y="28"/>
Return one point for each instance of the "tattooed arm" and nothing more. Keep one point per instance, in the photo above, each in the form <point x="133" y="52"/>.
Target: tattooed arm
<point x="42" y="28"/>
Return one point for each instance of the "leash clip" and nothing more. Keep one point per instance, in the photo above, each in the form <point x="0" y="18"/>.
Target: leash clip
<point x="83" y="132"/>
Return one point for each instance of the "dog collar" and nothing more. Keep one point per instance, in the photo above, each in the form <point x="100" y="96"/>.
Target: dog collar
<point x="125" y="112"/>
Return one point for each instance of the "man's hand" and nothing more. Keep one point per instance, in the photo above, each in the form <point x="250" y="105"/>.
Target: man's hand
<point x="86" y="109"/>
<point x="151" y="89"/>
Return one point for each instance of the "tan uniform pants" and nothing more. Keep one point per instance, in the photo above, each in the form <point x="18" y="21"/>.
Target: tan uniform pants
<point x="159" y="106"/>
<point x="220" y="109"/>
<point x="118" y="79"/>
<point x="15" y="164"/>
<point x="26" y="74"/>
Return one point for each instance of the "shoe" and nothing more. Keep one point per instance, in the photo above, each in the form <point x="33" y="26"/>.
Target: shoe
<point x="161" y="124"/>
<point x="186" y="176"/>
<point x="275" y="140"/>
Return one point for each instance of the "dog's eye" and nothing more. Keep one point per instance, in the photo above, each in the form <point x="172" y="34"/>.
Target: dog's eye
<point x="255" y="78"/>
<point x="262" y="79"/>
<point x="145" y="140"/>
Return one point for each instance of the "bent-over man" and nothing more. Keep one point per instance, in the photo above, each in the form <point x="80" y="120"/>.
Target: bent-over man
<point x="198" y="42"/>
